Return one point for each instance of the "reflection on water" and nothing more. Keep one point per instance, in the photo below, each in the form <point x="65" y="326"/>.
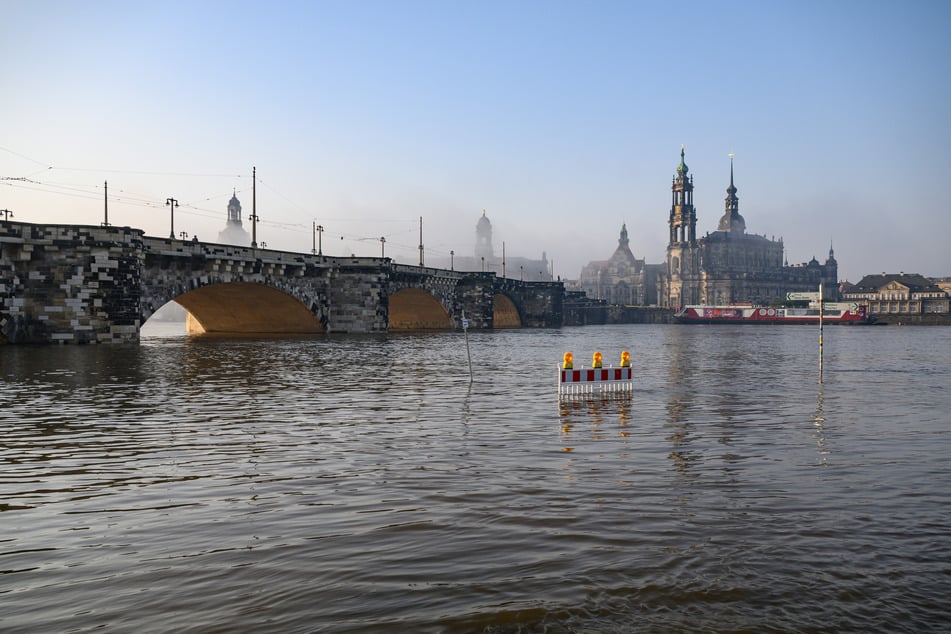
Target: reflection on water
<point x="361" y="484"/>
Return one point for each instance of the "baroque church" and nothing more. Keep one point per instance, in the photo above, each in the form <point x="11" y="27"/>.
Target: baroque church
<point x="726" y="266"/>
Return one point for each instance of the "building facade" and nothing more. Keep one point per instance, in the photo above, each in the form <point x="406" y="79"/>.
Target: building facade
<point x="729" y="265"/>
<point x="622" y="279"/>
<point x="899" y="294"/>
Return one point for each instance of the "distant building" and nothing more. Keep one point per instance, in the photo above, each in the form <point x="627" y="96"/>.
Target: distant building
<point x="234" y="233"/>
<point x="723" y="267"/>
<point x="621" y="279"/>
<point x="729" y="265"/>
<point x="899" y="294"/>
<point x="486" y="259"/>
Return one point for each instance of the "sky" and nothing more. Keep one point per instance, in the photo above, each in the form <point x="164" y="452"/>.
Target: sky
<point x="562" y="120"/>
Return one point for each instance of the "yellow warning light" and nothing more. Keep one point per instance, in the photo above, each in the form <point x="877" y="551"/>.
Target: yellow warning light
<point x="569" y="363"/>
<point x="625" y="359"/>
<point x="596" y="360"/>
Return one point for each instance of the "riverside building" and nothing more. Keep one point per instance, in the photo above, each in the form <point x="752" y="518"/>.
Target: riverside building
<point x="725" y="266"/>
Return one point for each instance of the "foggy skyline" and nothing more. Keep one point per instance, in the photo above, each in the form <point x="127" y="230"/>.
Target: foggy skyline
<point x="562" y="120"/>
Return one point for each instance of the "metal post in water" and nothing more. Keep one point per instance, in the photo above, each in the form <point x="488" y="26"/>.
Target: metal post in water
<point x="465" y="331"/>
<point x="820" y="330"/>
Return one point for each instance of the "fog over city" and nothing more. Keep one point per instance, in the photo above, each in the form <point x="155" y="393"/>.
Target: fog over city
<point x="561" y="120"/>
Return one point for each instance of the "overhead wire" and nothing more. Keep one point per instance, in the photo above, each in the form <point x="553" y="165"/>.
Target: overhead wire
<point x="130" y="198"/>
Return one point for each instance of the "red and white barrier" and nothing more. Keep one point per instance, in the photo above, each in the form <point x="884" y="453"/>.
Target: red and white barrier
<point x="595" y="380"/>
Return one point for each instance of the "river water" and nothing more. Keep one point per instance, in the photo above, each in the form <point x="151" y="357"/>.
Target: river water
<point x="362" y="484"/>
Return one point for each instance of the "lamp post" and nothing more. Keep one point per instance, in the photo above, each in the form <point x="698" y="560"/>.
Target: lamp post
<point x="452" y="261"/>
<point x="318" y="235"/>
<point x="6" y="214"/>
<point x="183" y="234"/>
<point x="172" y="204"/>
<point x="383" y="247"/>
<point x="420" y="241"/>
<point x="483" y="264"/>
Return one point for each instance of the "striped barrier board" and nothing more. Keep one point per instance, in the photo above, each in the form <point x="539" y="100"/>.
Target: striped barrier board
<point x="595" y="380"/>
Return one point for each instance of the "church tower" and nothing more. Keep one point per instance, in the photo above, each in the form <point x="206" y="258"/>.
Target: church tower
<point x="682" y="253"/>
<point x="234" y="210"/>
<point x="683" y="217"/>
<point x="483" y="248"/>
<point x="234" y="233"/>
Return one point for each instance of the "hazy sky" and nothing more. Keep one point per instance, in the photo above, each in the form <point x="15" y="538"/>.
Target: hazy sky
<point x="562" y="120"/>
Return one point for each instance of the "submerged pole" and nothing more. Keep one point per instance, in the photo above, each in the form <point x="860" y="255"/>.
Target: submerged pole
<point x="465" y="331"/>
<point x="820" y="330"/>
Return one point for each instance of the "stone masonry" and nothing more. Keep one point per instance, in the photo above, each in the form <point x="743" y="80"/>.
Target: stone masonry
<point x="89" y="284"/>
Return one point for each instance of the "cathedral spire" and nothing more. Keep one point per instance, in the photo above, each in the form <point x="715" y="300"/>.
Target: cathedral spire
<point x="732" y="221"/>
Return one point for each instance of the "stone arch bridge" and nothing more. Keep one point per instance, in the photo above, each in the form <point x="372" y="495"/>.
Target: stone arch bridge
<point x="90" y="284"/>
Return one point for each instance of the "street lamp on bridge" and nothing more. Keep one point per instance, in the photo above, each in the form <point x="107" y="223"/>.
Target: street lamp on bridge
<point x="172" y="204"/>
<point x="318" y="248"/>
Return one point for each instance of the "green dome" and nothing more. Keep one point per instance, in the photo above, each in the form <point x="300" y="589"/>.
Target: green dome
<point x="682" y="168"/>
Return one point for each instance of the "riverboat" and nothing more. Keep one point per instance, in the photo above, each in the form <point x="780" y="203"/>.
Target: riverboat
<point x="832" y="313"/>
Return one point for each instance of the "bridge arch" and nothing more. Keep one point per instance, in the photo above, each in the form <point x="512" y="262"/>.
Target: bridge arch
<point x="415" y="309"/>
<point x="504" y="312"/>
<point x="246" y="308"/>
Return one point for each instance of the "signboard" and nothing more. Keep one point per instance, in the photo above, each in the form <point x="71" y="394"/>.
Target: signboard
<point x="812" y="297"/>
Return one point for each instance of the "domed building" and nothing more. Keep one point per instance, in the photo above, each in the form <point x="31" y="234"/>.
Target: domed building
<point x="726" y="266"/>
<point x="729" y="265"/>
<point x="485" y="259"/>
<point x="234" y="233"/>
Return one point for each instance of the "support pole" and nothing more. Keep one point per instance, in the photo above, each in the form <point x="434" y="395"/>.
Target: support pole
<point x="254" y="207"/>
<point x="465" y="331"/>
<point x="820" y="330"/>
<point x="105" y="203"/>
<point x="420" y="241"/>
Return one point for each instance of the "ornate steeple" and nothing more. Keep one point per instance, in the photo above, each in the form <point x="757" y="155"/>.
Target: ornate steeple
<point x="732" y="221"/>
<point x="683" y="217"/>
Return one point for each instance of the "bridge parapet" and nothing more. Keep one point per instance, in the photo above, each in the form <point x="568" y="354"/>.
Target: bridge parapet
<point x="91" y="284"/>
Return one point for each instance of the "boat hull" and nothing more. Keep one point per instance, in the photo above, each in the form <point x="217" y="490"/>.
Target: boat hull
<point x="832" y="314"/>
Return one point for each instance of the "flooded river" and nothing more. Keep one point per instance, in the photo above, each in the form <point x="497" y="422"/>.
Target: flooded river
<point x="363" y="484"/>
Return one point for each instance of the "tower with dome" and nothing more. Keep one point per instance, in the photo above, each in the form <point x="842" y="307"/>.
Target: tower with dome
<point x="234" y="233"/>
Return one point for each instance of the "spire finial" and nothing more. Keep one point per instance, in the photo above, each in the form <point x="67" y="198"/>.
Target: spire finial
<point x="682" y="168"/>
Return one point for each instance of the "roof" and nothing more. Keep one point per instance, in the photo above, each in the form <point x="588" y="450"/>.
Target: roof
<point x="913" y="281"/>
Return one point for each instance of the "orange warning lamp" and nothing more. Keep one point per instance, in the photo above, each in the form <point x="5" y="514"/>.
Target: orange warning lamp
<point x="625" y="359"/>
<point x="596" y="360"/>
<point x="569" y="363"/>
